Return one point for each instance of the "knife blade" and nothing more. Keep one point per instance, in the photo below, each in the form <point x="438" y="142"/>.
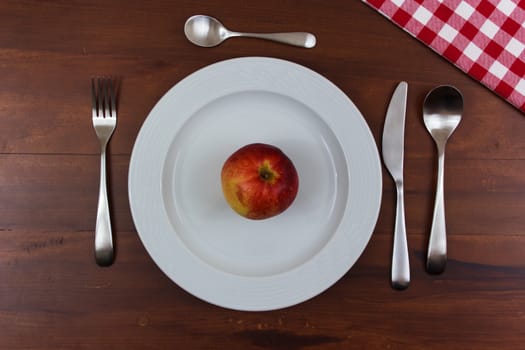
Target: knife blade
<point x="393" y="153"/>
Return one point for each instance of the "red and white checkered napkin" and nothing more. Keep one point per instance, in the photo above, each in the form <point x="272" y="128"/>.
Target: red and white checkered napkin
<point x="485" y="38"/>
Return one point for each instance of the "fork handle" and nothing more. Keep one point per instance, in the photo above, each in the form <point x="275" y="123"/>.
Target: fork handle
<point x="103" y="235"/>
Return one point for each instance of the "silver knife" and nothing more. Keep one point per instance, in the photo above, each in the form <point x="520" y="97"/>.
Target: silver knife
<point x="393" y="151"/>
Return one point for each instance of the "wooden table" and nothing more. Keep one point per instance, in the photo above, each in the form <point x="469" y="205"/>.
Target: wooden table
<point x="54" y="296"/>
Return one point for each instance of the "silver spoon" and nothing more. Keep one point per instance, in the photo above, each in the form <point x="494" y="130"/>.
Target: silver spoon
<point x="441" y="113"/>
<point x="207" y="31"/>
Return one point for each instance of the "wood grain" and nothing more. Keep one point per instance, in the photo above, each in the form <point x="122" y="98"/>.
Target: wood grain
<point x="53" y="295"/>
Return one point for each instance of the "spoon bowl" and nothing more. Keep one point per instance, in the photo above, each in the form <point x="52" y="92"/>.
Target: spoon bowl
<point x="207" y="31"/>
<point x="442" y="111"/>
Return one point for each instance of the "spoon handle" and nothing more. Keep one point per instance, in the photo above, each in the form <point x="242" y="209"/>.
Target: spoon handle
<point x="400" y="263"/>
<point x="301" y="39"/>
<point x="437" y="246"/>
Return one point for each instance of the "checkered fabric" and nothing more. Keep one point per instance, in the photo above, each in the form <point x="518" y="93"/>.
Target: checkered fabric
<point x="484" y="38"/>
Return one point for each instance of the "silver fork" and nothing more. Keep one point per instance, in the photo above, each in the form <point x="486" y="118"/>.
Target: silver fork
<point x="104" y="122"/>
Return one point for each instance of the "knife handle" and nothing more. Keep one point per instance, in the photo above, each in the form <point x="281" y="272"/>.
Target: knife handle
<point x="400" y="262"/>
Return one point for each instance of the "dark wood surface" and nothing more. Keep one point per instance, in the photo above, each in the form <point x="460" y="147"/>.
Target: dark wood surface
<point x="53" y="296"/>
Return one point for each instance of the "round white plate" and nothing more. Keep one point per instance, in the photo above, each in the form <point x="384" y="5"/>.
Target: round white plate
<point x="183" y="219"/>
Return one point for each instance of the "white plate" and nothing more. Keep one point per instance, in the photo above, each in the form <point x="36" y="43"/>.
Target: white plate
<point x="175" y="190"/>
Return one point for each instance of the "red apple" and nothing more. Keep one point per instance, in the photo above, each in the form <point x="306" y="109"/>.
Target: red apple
<point x="259" y="181"/>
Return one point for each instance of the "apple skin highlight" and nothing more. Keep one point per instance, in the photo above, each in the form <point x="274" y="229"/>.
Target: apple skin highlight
<point x="259" y="181"/>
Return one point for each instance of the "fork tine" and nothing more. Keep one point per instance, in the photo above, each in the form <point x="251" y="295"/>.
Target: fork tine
<point x="113" y="98"/>
<point x="107" y="107"/>
<point x="103" y="97"/>
<point x="93" y="98"/>
<point x="100" y="97"/>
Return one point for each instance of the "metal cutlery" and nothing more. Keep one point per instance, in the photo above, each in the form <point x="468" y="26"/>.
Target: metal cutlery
<point x="104" y="122"/>
<point x="393" y="153"/>
<point x="441" y="113"/>
<point x="207" y="31"/>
